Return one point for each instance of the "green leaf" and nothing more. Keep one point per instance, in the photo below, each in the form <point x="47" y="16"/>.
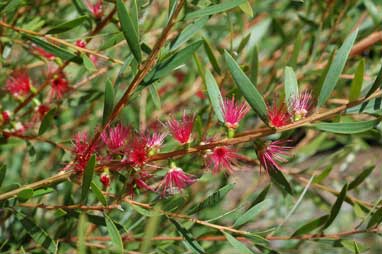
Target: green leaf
<point x="55" y="50"/>
<point x="317" y="88"/>
<point x="323" y="174"/>
<point x="167" y="65"/>
<point x="310" y="226"/>
<point x="247" y="88"/>
<point x="214" y="95"/>
<point x="115" y="236"/>
<point x="336" y="207"/>
<point x="81" y="237"/>
<point x="278" y="178"/>
<point x="247" y="8"/>
<point x="254" y="65"/>
<point x="67" y="25"/>
<point x="3" y="171"/>
<point x="361" y="177"/>
<point x="347" y="127"/>
<point x="38" y="234"/>
<point x="377" y="84"/>
<point x="252" y="213"/>
<point x="237" y="245"/>
<point x="98" y="193"/>
<point x="47" y="121"/>
<point x="42" y="191"/>
<point x="151" y="229"/>
<point x="134" y="15"/>
<point x="356" y="84"/>
<point x="108" y="101"/>
<point x="290" y="85"/>
<point x="189" y="32"/>
<point x="25" y="194"/>
<point x="261" y="196"/>
<point x="375" y="219"/>
<point x="190" y="241"/>
<point x="155" y="96"/>
<point x="213" y="9"/>
<point x="89" y="65"/>
<point x="212" y="200"/>
<point x="87" y="178"/>
<point x="296" y="50"/>
<point x="336" y="69"/>
<point x="211" y="56"/>
<point x="129" y="31"/>
<point x="373" y="11"/>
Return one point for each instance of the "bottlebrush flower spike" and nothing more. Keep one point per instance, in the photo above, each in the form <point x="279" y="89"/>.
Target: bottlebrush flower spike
<point x="81" y="43"/>
<point x="18" y="84"/>
<point x="181" y="130"/>
<point x="105" y="179"/>
<point x="278" y="117"/>
<point x="137" y="154"/>
<point x="59" y="86"/>
<point x="139" y="181"/>
<point x="115" y="137"/>
<point x="222" y="157"/>
<point x="273" y="153"/>
<point x="155" y="140"/>
<point x="96" y="8"/>
<point x="175" y="181"/>
<point x="300" y="105"/>
<point x="233" y="112"/>
<point x="6" y="116"/>
<point x="81" y="145"/>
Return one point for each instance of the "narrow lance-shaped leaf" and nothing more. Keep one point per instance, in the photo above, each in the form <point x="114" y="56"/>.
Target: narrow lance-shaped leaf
<point x="98" y="193"/>
<point x="356" y="84"/>
<point x="24" y="195"/>
<point x="189" y="32"/>
<point x="89" y="65"/>
<point x="296" y="50"/>
<point x="81" y="229"/>
<point x="115" y="236"/>
<point x="375" y="219"/>
<point x="252" y="213"/>
<point x="108" y="101"/>
<point x="254" y="65"/>
<point x="278" y="178"/>
<point x="57" y="51"/>
<point x="323" y="174"/>
<point x="310" y="226"/>
<point x="247" y="8"/>
<point x="67" y="25"/>
<point x="211" y="56"/>
<point x="155" y="96"/>
<point x="377" y="84"/>
<point x="87" y="178"/>
<point x="336" y="69"/>
<point x="290" y="84"/>
<point x="214" y="95"/>
<point x="213" y="9"/>
<point x="46" y="122"/>
<point x="247" y="88"/>
<point x="128" y="29"/>
<point x="239" y="246"/>
<point x="213" y="199"/>
<point x="361" y="177"/>
<point x="347" y="127"/>
<point x="38" y="234"/>
<point x="190" y="242"/>
<point x="336" y="207"/>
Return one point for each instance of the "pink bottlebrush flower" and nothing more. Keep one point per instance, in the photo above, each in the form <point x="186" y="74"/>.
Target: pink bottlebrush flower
<point x="95" y="7"/>
<point x="278" y="117"/>
<point x="81" y="43"/>
<point x="139" y="181"/>
<point x="300" y="105"/>
<point x="19" y="84"/>
<point x="59" y="86"/>
<point x="271" y="154"/>
<point x="181" y="130"/>
<point x="6" y="116"/>
<point x="137" y="154"/>
<point x="200" y="94"/>
<point x="81" y="146"/>
<point x="222" y="157"/>
<point x="43" y="53"/>
<point x="115" y="137"/>
<point x="233" y="112"/>
<point x="42" y="110"/>
<point x="105" y="179"/>
<point x="155" y="140"/>
<point x="175" y="181"/>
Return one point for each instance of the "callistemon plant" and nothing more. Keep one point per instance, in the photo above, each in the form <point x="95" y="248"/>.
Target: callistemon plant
<point x="231" y="126"/>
